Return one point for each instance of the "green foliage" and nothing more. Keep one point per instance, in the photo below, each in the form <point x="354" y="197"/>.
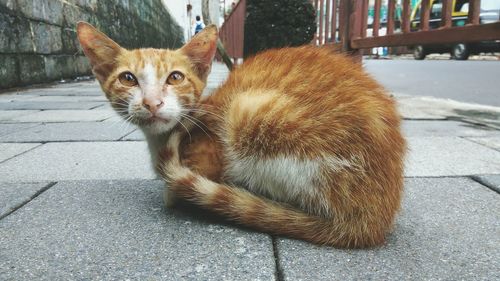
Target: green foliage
<point x="278" y="23"/>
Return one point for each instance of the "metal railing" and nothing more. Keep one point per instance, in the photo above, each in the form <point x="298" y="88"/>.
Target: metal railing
<point x="344" y="24"/>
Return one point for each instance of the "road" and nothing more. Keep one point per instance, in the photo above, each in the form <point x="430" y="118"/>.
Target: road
<point x="467" y="81"/>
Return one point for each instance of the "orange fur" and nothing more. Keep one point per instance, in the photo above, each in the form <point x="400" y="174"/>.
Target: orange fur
<point x="297" y="142"/>
<point x="328" y="120"/>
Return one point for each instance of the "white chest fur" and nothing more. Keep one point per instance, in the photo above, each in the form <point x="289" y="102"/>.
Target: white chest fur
<point x="282" y="178"/>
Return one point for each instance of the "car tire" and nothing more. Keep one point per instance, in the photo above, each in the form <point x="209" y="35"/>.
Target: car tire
<point x="460" y="52"/>
<point x="419" y="52"/>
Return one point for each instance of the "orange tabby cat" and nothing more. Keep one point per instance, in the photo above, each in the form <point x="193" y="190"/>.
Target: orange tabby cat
<point x="309" y="144"/>
<point x="312" y="149"/>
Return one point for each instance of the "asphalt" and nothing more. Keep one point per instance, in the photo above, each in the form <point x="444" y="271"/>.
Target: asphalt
<point x="467" y="81"/>
<point x="79" y="201"/>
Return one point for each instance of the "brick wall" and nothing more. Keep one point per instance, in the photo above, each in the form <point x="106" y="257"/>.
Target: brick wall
<point x="38" y="40"/>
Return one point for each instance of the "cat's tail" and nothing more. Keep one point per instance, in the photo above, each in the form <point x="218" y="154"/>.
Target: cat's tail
<point x="245" y="208"/>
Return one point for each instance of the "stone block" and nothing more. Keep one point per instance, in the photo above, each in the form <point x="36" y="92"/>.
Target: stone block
<point x="70" y="41"/>
<point x="9" y="71"/>
<point x="6" y="129"/>
<point x="11" y="115"/>
<point x="9" y="150"/>
<point x="87" y="4"/>
<point x="60" y="66"/>
<point x="47" y="10"/>
<point x="119" y="230"/>
<point x="447" y="230"/>
<point x="85" y="131"/>
<point x="46" y="37"/>
<point x="74" y="14"/>
<point x="8" y="44"/>
<point x="82" y="66"/>
<point x="15" y="195"/>
<point x="449" y="156"/>
<point x="32" y="69"/>
<point x="9" y="4"/>
<point x="81" y="161"/>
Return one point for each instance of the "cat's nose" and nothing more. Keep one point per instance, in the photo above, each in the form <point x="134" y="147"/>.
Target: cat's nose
<point x="152" y="104"/>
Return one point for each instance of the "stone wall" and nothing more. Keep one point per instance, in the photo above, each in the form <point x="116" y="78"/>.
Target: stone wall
<point x="38" y="40"/>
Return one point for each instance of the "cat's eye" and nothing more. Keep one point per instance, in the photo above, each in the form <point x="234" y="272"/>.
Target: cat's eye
<point x="175" y="78"/>
<point x="127" y="79"/>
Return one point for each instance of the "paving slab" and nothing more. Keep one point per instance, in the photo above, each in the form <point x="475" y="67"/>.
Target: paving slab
<point x="100" y="98"/>
<point x="12" y="128"/>
<point x="64" y="116"/>
<point x="119" y="230"/>
<point x="80" y="161"/>
<point x="9" y="115"/>
<point x="16" y="194"/>
<point x="491" y="181"/>
<point x="136" y="135"/>
<point x="9" y="150"/>
<point x="492" y="142"/>
<point x="82" y="131"/>
<point x="449" y="156"/>
<point x="77" y="90"/>
<point x="447" y="230"/>
<point x="15" y="97"/>
<point x="439" y="128"/>
<point x="47" y="105"/>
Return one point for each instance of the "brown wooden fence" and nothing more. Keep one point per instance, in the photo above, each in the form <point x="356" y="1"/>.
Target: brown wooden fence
<point x="343" y="24"/>
<point x="232" y="32"/>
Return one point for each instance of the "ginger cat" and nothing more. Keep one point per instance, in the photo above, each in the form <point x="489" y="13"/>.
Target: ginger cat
<point x="298" y="141"/>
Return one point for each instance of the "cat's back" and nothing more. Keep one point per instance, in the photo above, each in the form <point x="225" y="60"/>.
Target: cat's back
<point x="301" y="71"/>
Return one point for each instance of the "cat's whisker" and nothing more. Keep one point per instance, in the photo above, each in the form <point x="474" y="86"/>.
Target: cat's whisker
<point x="187" y="117"/>
<point x="196" y="110"/>
<point x="187" y="131"/>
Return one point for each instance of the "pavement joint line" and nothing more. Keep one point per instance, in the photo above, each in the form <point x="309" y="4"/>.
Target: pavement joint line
<point x="440" y="177"/>
<point x="426" y="119"/>
<point x="277" y="262"/>
<point x="467" y="138"/>
<point x="40" y="144"/>
<point x="64" y="141"/>
<point x="45" y="188"/>
<point x="122" y="138"/>
<point x="94" y="107"/>
<point x="472" y="121"/>
<point x="477" y="179"/>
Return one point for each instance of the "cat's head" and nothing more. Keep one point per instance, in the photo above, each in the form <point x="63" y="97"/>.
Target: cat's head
<point x="152" y="88"/>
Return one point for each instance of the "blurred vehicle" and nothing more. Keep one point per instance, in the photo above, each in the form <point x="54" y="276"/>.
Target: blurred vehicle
<point x="490" y="12"/>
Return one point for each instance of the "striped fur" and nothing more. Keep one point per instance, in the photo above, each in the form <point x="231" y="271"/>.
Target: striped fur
<point x="311" y="148"/>
<point x="297" y="142"/>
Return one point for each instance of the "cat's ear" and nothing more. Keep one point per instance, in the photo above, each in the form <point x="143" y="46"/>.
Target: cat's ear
<point x="99" y="49"/>
<point x="201" y="50"/>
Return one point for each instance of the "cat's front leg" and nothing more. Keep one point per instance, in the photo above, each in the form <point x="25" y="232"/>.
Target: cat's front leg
<point x="169" y="155"/>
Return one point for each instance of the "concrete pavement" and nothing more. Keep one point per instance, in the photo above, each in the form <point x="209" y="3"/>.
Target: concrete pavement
<point x="78" y="201"/>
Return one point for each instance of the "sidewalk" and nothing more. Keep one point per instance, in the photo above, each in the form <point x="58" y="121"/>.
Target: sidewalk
<point x="79" y="201"/>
